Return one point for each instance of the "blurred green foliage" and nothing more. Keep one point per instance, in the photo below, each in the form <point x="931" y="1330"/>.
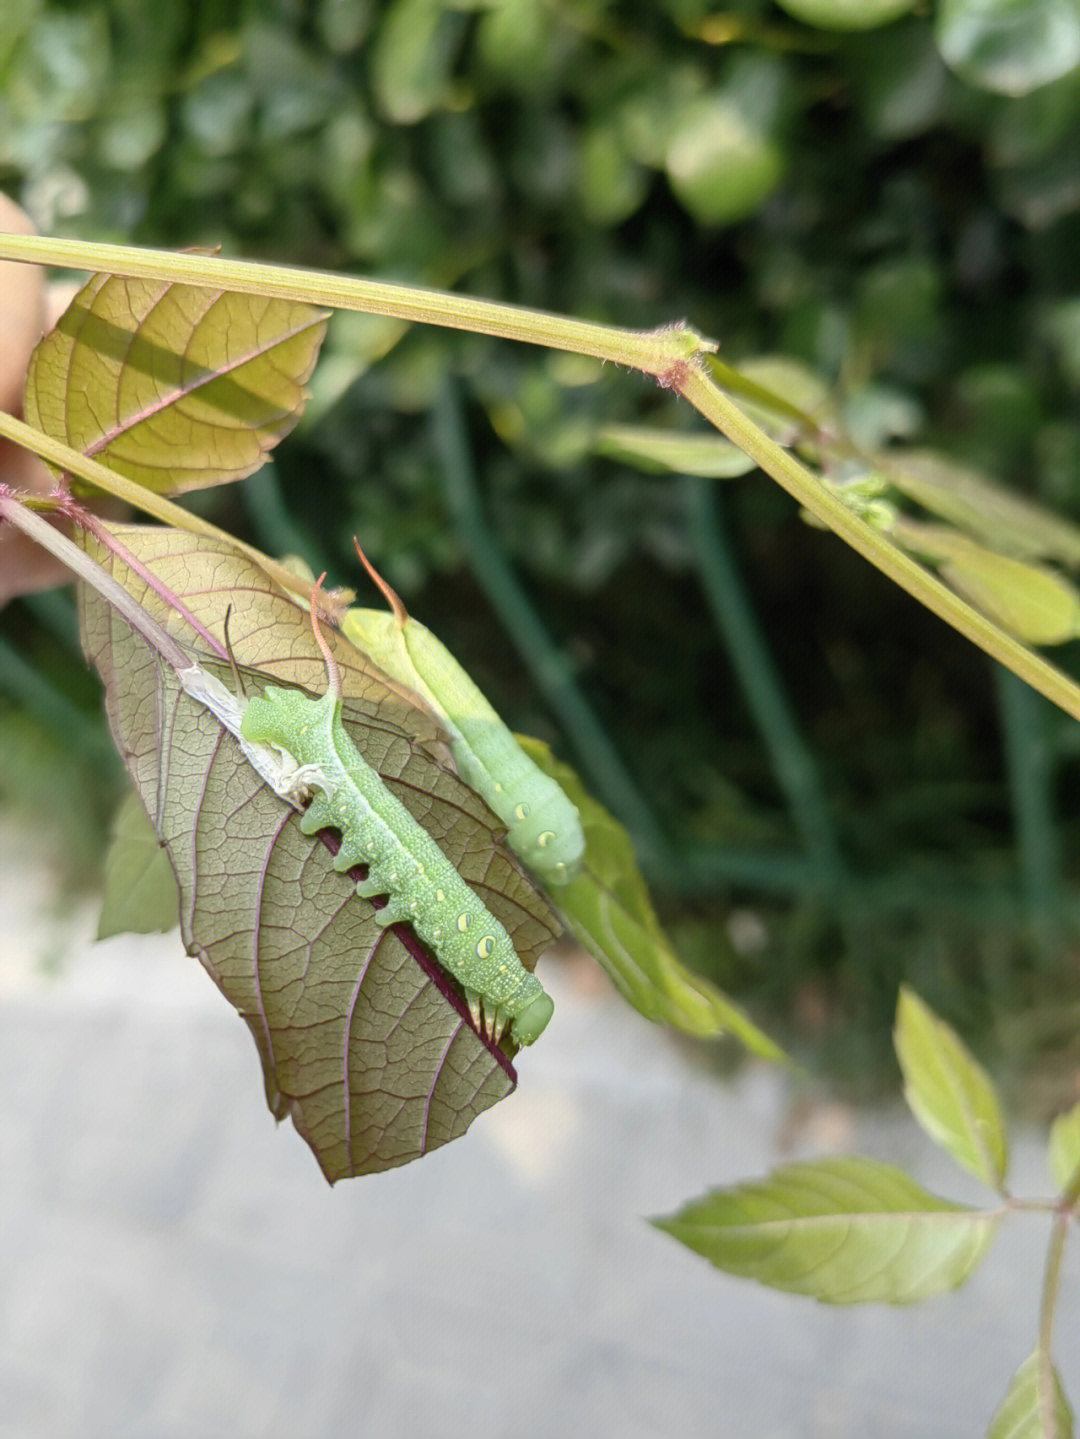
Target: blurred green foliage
<point x="892" y="199"/>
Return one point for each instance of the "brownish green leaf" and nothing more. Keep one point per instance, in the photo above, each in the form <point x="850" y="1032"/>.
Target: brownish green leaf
<point x="141" y="896"/>
<point x="175" y="386"/>
<point x="1035" y="1406"/>
<point x="845" y="1231"/>
<point x="950" y="1095"/>
<point x="364" y="1041"/>
<point x="608" y="908"/>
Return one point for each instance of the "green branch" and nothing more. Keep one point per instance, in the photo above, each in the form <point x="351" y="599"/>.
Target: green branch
<point x="659" y="352"/>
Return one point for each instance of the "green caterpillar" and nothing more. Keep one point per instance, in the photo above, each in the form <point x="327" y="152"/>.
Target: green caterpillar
<point x="403" y="862"/>
<point x="543" y="826"/>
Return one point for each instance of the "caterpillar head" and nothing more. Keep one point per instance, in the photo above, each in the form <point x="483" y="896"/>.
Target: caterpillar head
<point x="529" y="1025"/>
<point x="547" y="835"/>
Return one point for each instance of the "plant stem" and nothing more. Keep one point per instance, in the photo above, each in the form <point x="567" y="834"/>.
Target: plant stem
<point x="79" y="562"/>
<point x="63" y="457"/>
<point x="1047" y="1307"/>
<point x="751" y="659"/>
<point x="673" y="354"/>
<point x="696" y="387"/>
<point x="656" y="352"/>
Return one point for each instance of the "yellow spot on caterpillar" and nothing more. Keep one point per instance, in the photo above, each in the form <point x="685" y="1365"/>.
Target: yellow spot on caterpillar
<point x="521" y="811"/>
<point x="486" y="945"/>
<point x="543" y="840"/>
<point x="463" y="922"/>
<point x="498" y="787"/>
<point x="440" y="896"/>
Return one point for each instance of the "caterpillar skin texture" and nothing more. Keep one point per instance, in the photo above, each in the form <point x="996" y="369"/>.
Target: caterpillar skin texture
<point x="543" y="826"/>
<point x="404" y="863"/>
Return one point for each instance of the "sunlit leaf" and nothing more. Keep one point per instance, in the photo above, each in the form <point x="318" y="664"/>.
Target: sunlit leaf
<point x="1065" y="1148"/>
<point x="607" y="906"/>
<point x="140" y="896"/>
<point x="1035" y="1406"/>
<point x="175" y="386"/>
<point x="364" y="1041"/>
<point x="1010" y="46"/>
<point x="846" y="14"/>
<point x="722" y="164"/>
<point x="950" y="1095"/>
<point x="845" y="1231"/>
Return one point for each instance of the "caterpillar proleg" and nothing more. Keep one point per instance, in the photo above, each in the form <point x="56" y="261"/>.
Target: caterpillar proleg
<point x="403" y="862"/>
<point x="543" y="826"/>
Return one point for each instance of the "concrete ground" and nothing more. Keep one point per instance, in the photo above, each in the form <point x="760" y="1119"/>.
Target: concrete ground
<point x="173" y="1266"/>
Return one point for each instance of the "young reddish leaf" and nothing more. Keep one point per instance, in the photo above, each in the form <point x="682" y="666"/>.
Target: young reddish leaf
<point x="845" y="1231"/>
<point x="175" y="386"/>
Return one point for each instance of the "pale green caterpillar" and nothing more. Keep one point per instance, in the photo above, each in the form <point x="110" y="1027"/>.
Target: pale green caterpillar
<point x="543" y="826"/>
<point x="403" y="861"/>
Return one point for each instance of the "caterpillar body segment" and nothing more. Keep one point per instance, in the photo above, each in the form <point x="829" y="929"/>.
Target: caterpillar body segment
<point x="543" y="825"/>
<point x="403" y="862"/>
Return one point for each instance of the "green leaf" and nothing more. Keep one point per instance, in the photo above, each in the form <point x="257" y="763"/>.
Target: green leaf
<point x="612" y="185"/>
<point x="658" y="451"/>
<point x="1065" y="1148"/>
<point x="1035" y="1406"/>
<point x="845" y="1231"/>
<point x="721" y="163"/>
<point x="141" y="896"/>
<point x="1034" y="603"/>
<point x="364" y="1042"/>
<point x="411" y="59"/>
<point x="1009" y="46"/>
<point x="1012" y="524"/>
<point x="846" y="14"/>
<point x="607" y="906"/>
<point x="949" y="1094"/>
<point x="175" y="386"/>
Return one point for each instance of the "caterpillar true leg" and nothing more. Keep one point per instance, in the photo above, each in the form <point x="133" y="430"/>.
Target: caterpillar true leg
<point x="404" y="863"/>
